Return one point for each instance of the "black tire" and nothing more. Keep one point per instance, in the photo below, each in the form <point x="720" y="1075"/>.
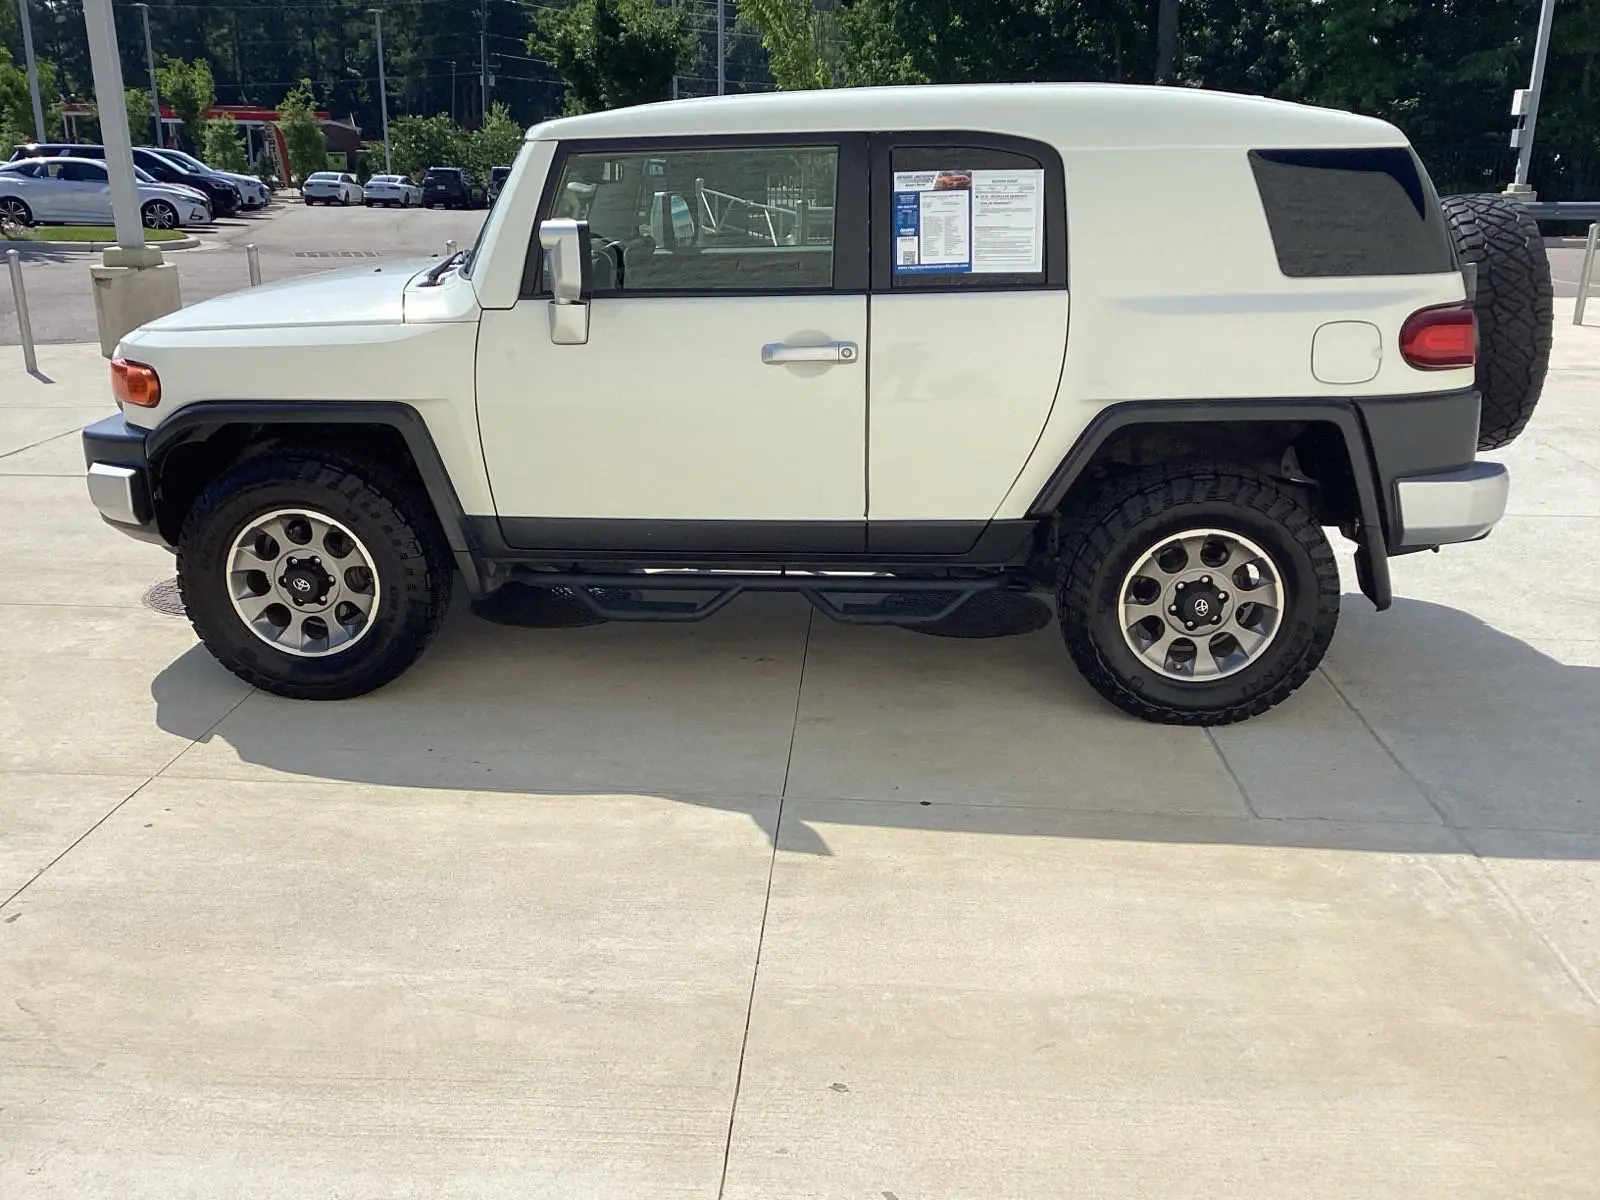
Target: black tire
<point x="1514" y="308"/>
<point x="158" y="214"/>
<point x="381" y="508"/>
<point x="16" y="211"/>
<point x="1129" y="516"/>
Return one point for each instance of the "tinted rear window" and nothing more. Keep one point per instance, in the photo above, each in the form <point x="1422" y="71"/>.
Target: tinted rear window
<point x="1351" y="212"/>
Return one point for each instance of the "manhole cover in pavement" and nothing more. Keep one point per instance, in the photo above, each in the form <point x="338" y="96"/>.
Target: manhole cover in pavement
<point x="164" y="598"/>
<point x="336" y="254"/>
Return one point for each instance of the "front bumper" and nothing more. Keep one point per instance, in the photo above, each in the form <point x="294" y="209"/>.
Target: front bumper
<point x="119" y="477"/>
<point x="1452" y="506"/>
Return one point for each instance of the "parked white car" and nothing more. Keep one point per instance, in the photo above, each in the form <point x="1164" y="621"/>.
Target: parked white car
<point x="331" y="187"/>
<point x="819" y="341"/>
<point x="77" y="191"/>
<point x="392" y="189"/>
<point x="252" y="191"/>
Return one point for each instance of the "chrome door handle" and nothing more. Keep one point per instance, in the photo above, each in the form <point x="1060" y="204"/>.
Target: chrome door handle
<point x="779" y="353"/>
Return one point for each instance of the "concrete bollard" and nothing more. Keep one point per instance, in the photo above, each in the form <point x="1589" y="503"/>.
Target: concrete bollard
<point x="450" y="247"/>
<point x="253" y="257"/>
<point x="1583" y="280"/>
<point x="24" y="321"/>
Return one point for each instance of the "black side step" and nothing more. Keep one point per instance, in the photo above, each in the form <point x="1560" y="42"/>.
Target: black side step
<point x="695" y="595"/>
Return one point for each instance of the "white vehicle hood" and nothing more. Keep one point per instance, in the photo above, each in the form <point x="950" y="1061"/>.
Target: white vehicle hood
<point x="373" y="294"/>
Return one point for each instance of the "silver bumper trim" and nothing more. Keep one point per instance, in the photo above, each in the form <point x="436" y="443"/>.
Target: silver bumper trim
<point x="1454" y="506"/>
<point x="118" y="492"/>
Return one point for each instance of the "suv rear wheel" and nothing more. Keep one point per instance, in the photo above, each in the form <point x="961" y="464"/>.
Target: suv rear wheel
<point x="1195" y="597"/>
<point x="311" y="578"/>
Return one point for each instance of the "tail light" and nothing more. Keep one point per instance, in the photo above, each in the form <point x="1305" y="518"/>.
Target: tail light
<point x="134" y="383"/>
<point x="1439" y="339"/>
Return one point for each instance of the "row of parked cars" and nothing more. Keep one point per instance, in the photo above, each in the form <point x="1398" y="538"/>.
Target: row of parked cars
<point x="441" y="187"/>
<point x="64" y="183"/>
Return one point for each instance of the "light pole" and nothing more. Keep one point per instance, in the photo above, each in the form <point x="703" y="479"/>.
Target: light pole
<point x="383" y="91"/>
<point x="111" y="103"/>
<point x="1525" y="104"/>
<point x="722" y="47"/>
<point x="452" y="91"/>
<point x="150" y="65"/>
<point x="33" y="70"/>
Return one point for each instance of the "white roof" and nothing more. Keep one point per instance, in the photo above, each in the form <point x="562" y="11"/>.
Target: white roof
<point x="1087" y="115"/>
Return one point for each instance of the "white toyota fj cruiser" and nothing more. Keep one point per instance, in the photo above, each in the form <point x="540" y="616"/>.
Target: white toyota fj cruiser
<point x="889" y="348"/>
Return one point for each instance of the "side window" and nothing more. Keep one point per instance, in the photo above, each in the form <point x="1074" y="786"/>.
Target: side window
<point x="738" y="219"/>
<point x="968" y="216"/>
<point x="83" y="172"/>
<point x="1351" y="212"/>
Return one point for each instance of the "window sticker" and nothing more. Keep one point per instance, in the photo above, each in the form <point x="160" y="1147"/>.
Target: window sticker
<point x="968" y="222"/>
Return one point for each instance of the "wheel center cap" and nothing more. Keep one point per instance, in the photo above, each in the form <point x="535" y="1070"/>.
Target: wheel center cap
<point x="1197" y="604"/>
<point x="304" y="582"/>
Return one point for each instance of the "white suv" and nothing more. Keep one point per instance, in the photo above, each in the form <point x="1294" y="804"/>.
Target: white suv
<point x="1136" y="348"/>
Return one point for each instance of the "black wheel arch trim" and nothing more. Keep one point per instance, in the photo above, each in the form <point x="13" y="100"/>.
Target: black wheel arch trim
<point x="1372" y="556"/>
<point x="201" y="419"/>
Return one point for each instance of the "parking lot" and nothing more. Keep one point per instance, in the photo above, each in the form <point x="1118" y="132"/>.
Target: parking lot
<point x="771" y="907"/>
<point x="292" y="240"/>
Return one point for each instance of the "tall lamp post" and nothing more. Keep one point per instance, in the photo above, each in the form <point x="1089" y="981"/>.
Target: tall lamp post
<point x="150" y="65"/>
<point x="383" y="91"/>
<point x="33" y="70"/>
<point x="1525" y="102"/>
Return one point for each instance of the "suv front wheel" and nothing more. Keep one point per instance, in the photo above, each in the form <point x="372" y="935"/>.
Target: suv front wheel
<point x="1195" y="597"/>
<point x="311" y="578"/>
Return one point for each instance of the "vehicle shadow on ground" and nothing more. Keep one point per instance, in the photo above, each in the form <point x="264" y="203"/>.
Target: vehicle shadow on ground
<point x="1497" y="735"/>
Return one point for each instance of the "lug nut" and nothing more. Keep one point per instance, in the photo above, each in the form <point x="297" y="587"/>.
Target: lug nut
<point x="1186" y="624"/>
<point x="1222" y="595"/>
<point x="1205" y="579"/>
<point x="1172" y="608"/>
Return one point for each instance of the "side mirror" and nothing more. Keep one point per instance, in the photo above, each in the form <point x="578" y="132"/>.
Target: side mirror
<point x="566" y="253"/>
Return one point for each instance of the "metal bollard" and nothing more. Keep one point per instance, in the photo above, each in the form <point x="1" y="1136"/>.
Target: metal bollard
<point x="1583" y="280"/>
<point x="449" y="247"/>
<point x="253" y="257"/>
<point x="24" y="322"/>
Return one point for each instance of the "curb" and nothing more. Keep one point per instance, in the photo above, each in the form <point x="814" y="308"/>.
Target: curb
<point x="183" y="243"/>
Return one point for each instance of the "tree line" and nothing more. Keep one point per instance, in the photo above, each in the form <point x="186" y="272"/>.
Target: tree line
<point x="1443" y="70"/>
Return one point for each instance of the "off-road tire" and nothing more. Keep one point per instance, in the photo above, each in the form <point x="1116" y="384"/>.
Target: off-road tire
<point x="1128" y="515"/>
<point x="1514" y="308"/>
<point x="381" y="507"/>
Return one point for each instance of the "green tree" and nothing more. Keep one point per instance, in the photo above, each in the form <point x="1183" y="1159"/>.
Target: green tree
<point x="222" y="145"/>
<point x="417" y="143"/>
<point x="190" y="89"/>
<point x="493" y="144"/>
<point x="141" y="123"/>
<point x="798" y="39"/>
<point x="613" y="53"/>
<point x="302" y="133"/>
<point x="16" y="104"/>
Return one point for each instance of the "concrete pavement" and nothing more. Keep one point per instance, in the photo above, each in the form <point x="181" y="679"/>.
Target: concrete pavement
<point x="767" y="907"/>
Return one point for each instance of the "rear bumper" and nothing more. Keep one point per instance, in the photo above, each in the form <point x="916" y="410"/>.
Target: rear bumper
<point x="1452" y="506"/>
<point x="118" y="476"/>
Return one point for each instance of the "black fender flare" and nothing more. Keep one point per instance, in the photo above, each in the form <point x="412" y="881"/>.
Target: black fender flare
<point x="197" y="421"/>
<point x="1372" y="555"/>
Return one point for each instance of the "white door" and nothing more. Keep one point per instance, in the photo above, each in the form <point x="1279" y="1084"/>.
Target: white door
<point x="724" y="378"/>
<point x="88" y="190"/>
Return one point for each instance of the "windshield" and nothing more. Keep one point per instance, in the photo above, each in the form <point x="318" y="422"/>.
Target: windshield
<point x="187" y="160"/>
<point x="438" y="175"/>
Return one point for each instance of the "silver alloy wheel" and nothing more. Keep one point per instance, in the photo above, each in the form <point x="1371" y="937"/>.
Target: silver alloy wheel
<point x="15" y="212"/>
<point x="158" y="214"/>
<point x="1202" y="605"/>
<point x="303" y="583"/>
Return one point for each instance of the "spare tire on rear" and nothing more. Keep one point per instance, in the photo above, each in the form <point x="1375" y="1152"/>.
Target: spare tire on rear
<point x="1513" y="305"/>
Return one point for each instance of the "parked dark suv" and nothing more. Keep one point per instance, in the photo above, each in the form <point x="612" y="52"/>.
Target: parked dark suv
<point x="224" y="196"/>
<point x="450" y="187"/>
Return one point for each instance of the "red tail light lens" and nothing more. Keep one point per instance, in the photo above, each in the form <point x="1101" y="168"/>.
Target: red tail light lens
<point x="1438" y="339"/>
<point x="134" y="383"/>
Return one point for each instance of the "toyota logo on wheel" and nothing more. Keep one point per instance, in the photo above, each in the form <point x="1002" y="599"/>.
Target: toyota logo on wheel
<point x="1201" y="607"/>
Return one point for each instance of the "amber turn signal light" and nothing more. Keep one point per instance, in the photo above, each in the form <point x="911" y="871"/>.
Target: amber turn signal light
<point x="134" y="383"/>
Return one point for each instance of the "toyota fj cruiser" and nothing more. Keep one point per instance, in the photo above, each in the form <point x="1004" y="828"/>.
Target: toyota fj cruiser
<point x="892" y="349"/>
